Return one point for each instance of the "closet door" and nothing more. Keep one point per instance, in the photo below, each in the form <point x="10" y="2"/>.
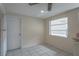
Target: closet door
<point x="13" y="30"/>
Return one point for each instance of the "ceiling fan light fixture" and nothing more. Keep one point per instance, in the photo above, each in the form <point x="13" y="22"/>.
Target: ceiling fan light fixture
<point x="42" y="11"/>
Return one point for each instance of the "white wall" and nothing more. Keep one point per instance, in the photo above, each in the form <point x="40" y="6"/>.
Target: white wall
<point x="65" y="44"/>
<point x="32" y="31"/>
<point x="0" y="32"/>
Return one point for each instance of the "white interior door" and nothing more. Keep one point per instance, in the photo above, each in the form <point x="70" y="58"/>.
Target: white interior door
<point x="13" y="30"/>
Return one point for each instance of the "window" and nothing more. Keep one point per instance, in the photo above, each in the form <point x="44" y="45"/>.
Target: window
<point x="58" y="27"/>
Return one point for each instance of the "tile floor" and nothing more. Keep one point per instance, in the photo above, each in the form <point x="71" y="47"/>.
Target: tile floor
<point x="39" y="50"/>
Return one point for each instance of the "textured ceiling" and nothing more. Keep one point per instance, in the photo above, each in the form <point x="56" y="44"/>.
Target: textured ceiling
<point x="35" y="11"/>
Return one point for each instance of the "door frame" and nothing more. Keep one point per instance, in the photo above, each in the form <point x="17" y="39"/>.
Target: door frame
<point x="3" y="31"/>
<point x="20" y="34"/>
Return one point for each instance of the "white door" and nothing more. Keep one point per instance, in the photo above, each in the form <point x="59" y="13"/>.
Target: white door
<point x="13" y="30"/>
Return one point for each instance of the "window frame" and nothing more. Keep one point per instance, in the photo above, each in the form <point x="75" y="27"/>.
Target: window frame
<point x="66" y="35"/>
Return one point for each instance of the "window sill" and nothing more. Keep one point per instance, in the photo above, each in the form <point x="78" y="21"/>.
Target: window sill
<point x="57" y="36"/>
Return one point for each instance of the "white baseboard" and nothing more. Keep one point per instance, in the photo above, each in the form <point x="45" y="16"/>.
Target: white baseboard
<point x="27" y="46"/>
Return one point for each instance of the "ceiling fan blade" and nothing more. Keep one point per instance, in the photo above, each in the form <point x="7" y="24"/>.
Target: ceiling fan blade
<point x="49" y="6"/>
<point x="31" y="4"/>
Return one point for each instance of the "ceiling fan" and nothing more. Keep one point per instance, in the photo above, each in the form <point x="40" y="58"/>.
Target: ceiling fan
<point x="49" y="7"/>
